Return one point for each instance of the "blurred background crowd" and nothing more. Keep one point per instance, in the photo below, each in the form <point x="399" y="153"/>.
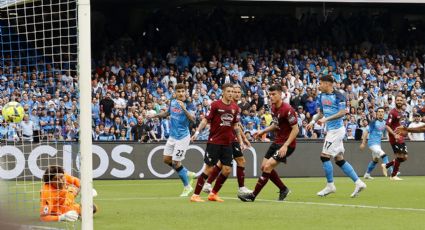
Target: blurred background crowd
<point x="372" y="56"/>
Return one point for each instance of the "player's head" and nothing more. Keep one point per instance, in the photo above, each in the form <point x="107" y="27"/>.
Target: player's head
<point x="237" y="92"/>
<point x="275" y="93"/>
<point x="399" y="101"/>
<point x="181" y="92"/>
<point x="326" y="84"/>
<point x="54" y="176"/>
<point x="380" y="112"/>
<point x="227" y="92"/>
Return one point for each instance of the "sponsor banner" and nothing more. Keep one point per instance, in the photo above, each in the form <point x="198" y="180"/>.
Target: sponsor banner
<point x="144" y="161"/>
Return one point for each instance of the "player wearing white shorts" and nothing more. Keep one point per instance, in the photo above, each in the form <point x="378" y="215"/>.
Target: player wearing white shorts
<point x="178" y="142"/>
<point x="332" y="111"/>
<point x="375" y="130"/>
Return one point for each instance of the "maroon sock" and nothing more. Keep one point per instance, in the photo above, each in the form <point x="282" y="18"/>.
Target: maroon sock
<point x="262" y="181"/>
<point x="200" y="183"/>
<point x="274" y="177"/>
<point x="240" y="173"/>
<point x="214" y="173"/>
<point x="219" y="183"/>
<point x="396" y="167"/>
<point x="389" y="164"/>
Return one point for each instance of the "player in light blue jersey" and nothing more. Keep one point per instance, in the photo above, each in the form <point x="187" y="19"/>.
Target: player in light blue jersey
<point x="179" y="140"/>
<point x="375" y="130"/>
<point x="332" y="111"/>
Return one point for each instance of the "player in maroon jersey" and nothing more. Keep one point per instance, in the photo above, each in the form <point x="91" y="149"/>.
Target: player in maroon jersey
<point x="224" y="117"/>
<point x="237" y="155"/>
<point x="396" y="140"/>
<point x="286" y="128"/>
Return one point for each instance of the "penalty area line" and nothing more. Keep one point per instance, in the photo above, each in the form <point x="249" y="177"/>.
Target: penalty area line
<point x="275" y="201"/>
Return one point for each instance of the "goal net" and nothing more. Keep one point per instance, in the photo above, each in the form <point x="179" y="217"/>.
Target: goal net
<point x="39" y="68"/>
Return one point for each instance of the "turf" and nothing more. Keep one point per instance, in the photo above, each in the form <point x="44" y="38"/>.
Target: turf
<point x="154" y="204"/>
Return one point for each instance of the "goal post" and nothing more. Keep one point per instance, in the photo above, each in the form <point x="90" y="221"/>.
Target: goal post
<point x="84" y="66"/>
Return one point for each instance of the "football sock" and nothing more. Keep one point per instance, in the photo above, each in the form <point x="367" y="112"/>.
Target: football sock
<point x="182" y="171"/>
<point x="219" y="183"/>
<point x="347" y="169"/>
<point x="200" y="183"/>
<point x="274" y="177"/>
<point x="371" y="166"/>
<point x="214" y="173"/>
<point x="262" y="181"/>
<point x="328" y="168"/>
<point x="397" y="162"/>
<point x="240" y="174"/>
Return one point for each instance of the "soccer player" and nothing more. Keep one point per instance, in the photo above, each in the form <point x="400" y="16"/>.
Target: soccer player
<point x="286" y="127"/>
<point x="375" y="130"/>
<point x="237" y="155"/>
<point x="396" y="141"/>
<point x="179" y="140"/>
<point x="224" y="118"/>
<point x="57" y="196"/>
<point x="332" y="110"/>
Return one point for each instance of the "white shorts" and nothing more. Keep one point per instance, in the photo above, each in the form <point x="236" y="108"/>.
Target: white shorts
<point x="376" y="151"/>
<point x="334" y="142"/>
<point x="177" y="148"/>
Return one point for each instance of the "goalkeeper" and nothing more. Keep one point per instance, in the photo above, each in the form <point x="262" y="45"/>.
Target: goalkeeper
<point x="57" y="196"/>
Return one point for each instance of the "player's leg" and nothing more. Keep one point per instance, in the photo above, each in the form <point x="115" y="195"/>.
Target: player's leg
<point x="225" y="154"/>
<point x="210" y="159"/>
<point x="400" y="157"/>
<point x="211" y="178"/>
<point x="376" y="152"/>
<point x="350" y="172"/>
<point x="261" y="182"/>
<point x="328" y="151"/>
<point x="179" y="154"/>
<point x="240" y="167"/>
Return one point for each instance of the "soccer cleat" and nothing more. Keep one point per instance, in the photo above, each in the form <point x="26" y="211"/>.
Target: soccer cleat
<point x="191" y="176"/>
<point x="214" y="197"/>
<point x="360" y="186"/>
<point x="327" y="190"/>
<point x="395" y="178"/>
<point x="196" y="198"/>
<point x="368" y="176"/>
<point x="384" y="170"/>
<point x="283" y="194"/>
<point x="247" y="197"/>
<point x="244" y="190"/>
<point x="207" y="188"/>
<point x="186" y="191"/>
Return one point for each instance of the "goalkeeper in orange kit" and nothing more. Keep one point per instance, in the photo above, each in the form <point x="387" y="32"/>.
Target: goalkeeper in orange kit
<point x="57" y="196"/>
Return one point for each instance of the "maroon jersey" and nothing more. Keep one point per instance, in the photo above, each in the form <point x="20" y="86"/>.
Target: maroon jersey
<point x="394" y="121"/>
<point x="284" y="117"/>
<point x="222" y="117"/>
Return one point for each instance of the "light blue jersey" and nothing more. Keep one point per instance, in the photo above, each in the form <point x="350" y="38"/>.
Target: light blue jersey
<point x="330" y="104"/>
<point x="376" y="128"/>
<point x="179" y="127"/>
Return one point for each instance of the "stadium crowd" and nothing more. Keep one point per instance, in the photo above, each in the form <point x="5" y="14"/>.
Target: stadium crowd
<point x="129" y="83"/>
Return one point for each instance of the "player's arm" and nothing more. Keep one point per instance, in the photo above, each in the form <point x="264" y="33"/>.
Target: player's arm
<point x="404" y="131"/>
<point x="364" y="139"/>
<point x="338" y="115"/>
<point x="292" y="136"/>
<point x="270" y="128"/>
<point x="314" y="119"/>
<point x="244" y="139"/>
<point x="238" y="133"/>
<point x="189" y="116"/>
<point x="160" y="115"/>
<point x="201" y="126"/>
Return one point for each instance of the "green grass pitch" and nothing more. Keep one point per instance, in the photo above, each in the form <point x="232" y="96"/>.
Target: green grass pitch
<point x="155" y="204"/>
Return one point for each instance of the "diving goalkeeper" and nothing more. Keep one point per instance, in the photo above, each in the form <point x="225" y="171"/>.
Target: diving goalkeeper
<point x="57" y="196"/>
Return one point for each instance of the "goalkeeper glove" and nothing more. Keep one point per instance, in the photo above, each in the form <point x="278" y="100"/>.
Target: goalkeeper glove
<point x="70" y="216"/>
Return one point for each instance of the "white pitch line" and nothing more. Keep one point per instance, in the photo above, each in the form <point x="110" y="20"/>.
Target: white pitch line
<point x="275" y="201"/>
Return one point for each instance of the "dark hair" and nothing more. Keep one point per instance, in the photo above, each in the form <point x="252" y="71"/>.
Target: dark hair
<point x="380" y="108"/>
<point x="226" y="85"/>
<point x="51" y="172"/>
<point x="275" y="88"/>
<point x="327" y="78"/>
<point x="180" y="86"/>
